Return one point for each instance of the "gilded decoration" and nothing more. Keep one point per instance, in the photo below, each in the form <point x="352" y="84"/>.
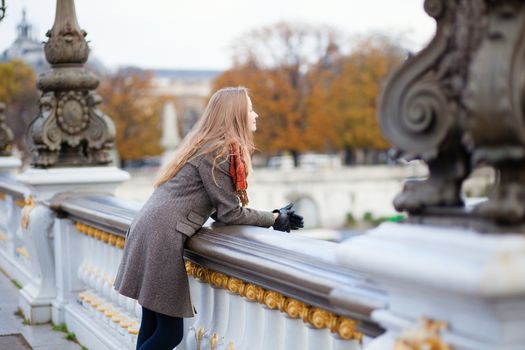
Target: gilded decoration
<point x="295" y="308"/>
<point x="236" y="286"/>
<point x="318" y="318"/>
<point x="103" y="306"/>
<point x="198" y="337"/>
<point x="214" y="341"/>
<point x="426" y="335"/>
<point x="22" y="251"/>
<point x="106" y="237"/>
<point x="29" y="205"/>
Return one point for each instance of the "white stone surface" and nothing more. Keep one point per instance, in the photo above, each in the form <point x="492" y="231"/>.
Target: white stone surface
<point x="36" y="296"/>
<point x="8" y="164"/>
<point x="48" y="182"/>
<point x="474" y="282"/>
<point x="170" y="128"/>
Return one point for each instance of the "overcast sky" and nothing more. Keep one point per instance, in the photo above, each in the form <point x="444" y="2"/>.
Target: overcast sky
<point x="197" y="34"/>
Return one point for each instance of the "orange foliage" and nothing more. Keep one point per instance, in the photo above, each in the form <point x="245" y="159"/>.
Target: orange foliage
<point x="328" y="103"/>
<point x="18" y="90"/>
<point x="128" y="101"/>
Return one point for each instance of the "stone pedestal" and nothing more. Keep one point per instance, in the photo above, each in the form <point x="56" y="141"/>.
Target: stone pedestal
<point x="9" y="164"/>
<point x="37" y="297"/>
<point x="48" y="182"/>
<point x="446" y="286"/>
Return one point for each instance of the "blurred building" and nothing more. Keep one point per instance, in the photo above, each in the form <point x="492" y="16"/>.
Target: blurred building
<point x="190" y="89"/>
<point x="30" y="50"/>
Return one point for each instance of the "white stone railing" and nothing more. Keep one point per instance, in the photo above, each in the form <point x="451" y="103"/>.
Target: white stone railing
<point x="252" y="288"/>
<point x="14" y="253"/>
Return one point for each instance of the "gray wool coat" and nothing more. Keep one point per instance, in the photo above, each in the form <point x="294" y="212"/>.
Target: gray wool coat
<point x="152" y="267"/>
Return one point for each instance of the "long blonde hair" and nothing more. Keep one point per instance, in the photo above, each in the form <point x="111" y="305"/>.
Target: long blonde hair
<point x="225" y="121"/>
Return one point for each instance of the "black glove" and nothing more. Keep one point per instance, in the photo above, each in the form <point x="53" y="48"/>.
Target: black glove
<point x="287" y="219"/>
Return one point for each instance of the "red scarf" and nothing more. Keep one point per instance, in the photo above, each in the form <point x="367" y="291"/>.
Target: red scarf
<point x="238" y="173"/>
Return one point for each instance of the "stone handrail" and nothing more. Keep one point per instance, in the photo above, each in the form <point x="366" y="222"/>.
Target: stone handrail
<point x="241" y="277"/>
<point x="286" y="263"/>
<point x="277" y="270"/>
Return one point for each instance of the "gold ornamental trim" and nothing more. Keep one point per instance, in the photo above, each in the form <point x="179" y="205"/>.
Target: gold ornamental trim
<point x="108" y="311"/>
<point x="345" y="328"/>
<point x="105" y="237"/>
<point x="198" y="336"/>
<point x="3" y="196"/>
<point x="20" y="203"/>
<point x="214" y="341"/>
<point x="22" y="251"/>
<point x="29" y="205"/>
<point x="425" y="335"/>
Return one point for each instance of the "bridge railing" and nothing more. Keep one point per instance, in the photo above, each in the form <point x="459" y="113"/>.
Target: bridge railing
<point x="14" y="253"/>
<point x="252" y="288"/>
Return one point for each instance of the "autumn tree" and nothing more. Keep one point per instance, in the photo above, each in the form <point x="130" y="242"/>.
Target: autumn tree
<point x="312" y="93"/>
<point x="128" y="100"/>
<point x="345" y="95"/>
<point x="18" y="90"/>
<point x="272" y="62"/>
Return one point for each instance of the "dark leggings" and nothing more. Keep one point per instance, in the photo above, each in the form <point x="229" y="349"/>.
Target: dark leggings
<point x="159" y="331"/>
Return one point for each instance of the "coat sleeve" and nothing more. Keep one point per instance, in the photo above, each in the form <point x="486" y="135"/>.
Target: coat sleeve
<point x="223" y="197"/>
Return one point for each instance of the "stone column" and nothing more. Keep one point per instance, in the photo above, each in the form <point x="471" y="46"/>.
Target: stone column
<point x="170" y="131"/>
<point x="70" y="140"/>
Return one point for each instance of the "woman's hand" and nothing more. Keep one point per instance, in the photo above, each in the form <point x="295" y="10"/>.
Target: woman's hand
<point x="287" y="220"/>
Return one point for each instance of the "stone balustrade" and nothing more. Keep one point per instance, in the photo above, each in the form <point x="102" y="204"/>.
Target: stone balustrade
<point x="252" y="288"/>
<point x="14" y="254"/>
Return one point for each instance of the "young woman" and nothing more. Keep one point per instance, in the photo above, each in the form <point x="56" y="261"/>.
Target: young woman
<point x="206" y="177"/>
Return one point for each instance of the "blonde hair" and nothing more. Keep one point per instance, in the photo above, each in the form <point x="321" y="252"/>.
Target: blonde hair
<point x="224" y="121"/>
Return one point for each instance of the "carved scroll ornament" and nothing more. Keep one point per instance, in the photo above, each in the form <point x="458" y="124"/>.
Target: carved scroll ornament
<point x="458" y="104"/>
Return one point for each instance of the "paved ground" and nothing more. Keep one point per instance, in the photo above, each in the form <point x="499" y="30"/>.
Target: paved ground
<point x="16" y="336"/>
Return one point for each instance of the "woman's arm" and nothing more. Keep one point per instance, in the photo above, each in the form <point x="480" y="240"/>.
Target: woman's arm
<point x="223" y="198"/>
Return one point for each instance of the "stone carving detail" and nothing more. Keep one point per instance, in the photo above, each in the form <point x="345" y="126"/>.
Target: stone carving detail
<point x="495" y="97"/>
<point x="6" y="135"/>
<point x="70" y="129"/>
<point x="318" y="318"/>
<point x="458" y="104"/>
<point x="425" y="335"/>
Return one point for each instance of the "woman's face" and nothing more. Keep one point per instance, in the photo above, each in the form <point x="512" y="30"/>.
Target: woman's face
<point x="252" y="116"/>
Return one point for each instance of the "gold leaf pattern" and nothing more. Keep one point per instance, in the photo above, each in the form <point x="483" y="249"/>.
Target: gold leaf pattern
<point x="318" y="318"/>
<point x="425" y="335"/>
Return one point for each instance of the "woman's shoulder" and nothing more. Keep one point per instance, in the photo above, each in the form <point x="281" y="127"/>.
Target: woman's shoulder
<point x="206" y="156"/>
